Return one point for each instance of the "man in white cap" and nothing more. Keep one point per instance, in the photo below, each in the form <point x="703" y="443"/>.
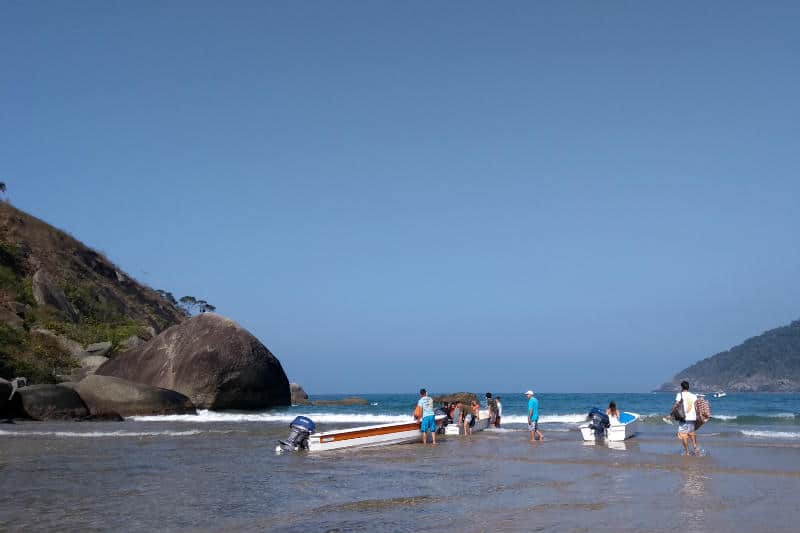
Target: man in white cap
<point x="533" y="417"/>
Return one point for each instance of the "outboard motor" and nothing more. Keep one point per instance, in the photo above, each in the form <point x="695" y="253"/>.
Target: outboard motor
<point x="299" y="430"/>
<point x="599" y="422"/>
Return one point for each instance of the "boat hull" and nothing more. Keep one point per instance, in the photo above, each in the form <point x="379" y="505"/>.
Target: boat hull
<point x="366" y="436"/>
<point x="614" y="433"/>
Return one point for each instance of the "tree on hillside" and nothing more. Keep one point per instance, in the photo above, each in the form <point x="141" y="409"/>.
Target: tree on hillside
<point x="192" y="305"/>
<point x="3" y="187"/>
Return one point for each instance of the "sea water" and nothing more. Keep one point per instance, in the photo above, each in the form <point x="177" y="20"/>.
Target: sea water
<point x="219" y="471"/>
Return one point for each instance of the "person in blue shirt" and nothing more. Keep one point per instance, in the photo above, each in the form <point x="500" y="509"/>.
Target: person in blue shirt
<point x="428" y="424"/>
<point x="533" y="417"/>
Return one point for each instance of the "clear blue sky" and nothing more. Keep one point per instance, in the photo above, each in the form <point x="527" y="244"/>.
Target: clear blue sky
<point x="570" y="196"/>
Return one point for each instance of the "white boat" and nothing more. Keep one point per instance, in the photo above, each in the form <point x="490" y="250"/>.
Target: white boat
<point x="480" y="424"/>
<point x="617" y="430"/>
<point x="720" y="394"/>
<point x="365" y="436"/>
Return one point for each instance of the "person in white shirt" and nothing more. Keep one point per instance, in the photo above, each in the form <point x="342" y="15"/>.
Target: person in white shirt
<point x="686" y="428"/>
<point x="499" y="412"/>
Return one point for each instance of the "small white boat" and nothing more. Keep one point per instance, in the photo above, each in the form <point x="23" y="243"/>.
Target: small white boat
<point x="720" y="394"/>
<point x="365" y="436"/>
<point x="480" y="424"/>
<point x="601" y="427"/>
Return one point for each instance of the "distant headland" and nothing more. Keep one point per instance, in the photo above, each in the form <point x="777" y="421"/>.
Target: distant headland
<point x="769" y="362"/>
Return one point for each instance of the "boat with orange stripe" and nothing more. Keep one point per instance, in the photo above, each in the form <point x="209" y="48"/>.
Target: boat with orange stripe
<point x="376" y="435"/>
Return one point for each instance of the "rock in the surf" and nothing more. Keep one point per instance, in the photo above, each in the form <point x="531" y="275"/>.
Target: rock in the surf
<point x="48" y="402"/>
<point x="107" y="395"/>
<point x="299" y="396"/>
<point x="212" y="360"/>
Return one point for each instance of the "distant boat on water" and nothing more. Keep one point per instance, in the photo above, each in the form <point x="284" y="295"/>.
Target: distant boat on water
<point x="720" y="394"/>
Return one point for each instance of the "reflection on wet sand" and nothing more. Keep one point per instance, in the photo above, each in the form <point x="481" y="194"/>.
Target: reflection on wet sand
<point x="694" y="499"/>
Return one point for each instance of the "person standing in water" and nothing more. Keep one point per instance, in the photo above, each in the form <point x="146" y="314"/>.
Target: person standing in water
<point x="686" y="430"/>
<point x="533" y="417"/>
<point x="499" y="412"/>
<point x="428" y="424"/>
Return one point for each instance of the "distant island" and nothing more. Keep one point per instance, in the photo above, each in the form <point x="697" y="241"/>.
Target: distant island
<point x="769" y="362"/>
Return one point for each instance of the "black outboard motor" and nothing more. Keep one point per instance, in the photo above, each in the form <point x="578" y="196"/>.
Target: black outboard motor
<point x="299" y="430"/>
<point x="598" y="421"/>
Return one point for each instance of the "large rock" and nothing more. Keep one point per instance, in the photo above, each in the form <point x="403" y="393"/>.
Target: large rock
<point x="210" y="359"/>
<point x="48" y="402"/>
<point x="98" y="349"/>
<point x="107" y="395"/>
<point x="45" y="292"/>
<point x="5" y="392"/>
<point x="299" y="396"/>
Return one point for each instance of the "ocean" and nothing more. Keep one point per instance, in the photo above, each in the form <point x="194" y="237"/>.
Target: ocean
<point x="219" y="471"/>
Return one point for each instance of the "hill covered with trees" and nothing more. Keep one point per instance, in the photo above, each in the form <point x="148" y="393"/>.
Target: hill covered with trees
<point x="769" y="362"/>
<point x="57" y="295"/>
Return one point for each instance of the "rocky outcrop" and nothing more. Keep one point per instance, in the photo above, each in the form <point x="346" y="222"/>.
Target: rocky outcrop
<point x="466" y="398"/>
<point x="299" y="396"/>
<point x="98" y="349"/>
<point x="45" y="292"/>
<point x="105" y="396"/>
<point x="351" y="400"/>
<point x="212" y="360"/>
<point x="48" y="402"/>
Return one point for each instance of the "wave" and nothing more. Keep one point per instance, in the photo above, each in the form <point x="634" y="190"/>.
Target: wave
<point x="204" y="415"/>
<point x="100" y="434"/>
<point x="771" y="434"/>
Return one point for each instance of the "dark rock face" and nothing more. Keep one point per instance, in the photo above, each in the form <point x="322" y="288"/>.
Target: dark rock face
<point x="210" y="359"/>
<point x="5" y="392"/>
<point x="45" y="292"/>
<point x="299" y="396"/>
<point x="106" y="396"/>
<point x="48" y="402"/>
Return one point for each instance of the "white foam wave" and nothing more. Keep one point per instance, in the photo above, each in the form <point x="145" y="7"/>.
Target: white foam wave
<point x="546" y="419"/>
<point x="724" y="417"/>
<point x="99" y="434"/>
<point x="771" y="434"/>
<point x="205" y="415"/>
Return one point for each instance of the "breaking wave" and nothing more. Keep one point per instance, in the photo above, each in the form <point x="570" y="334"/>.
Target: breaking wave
<point x="771" y="434"/>
<point x="99" y="434"/>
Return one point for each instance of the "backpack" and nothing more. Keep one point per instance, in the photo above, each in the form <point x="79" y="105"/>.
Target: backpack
<point x="703" y="410"/>
<point x="678" y="412"/>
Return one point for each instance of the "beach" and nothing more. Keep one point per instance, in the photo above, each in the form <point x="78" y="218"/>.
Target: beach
<point x="219" y="471"/>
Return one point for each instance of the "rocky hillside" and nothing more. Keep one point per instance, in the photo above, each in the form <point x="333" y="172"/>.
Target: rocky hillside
<point x="58" y="296"/>
<point x="769" y="362"/>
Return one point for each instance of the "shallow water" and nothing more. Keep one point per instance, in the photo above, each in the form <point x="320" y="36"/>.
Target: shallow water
<point x="220" y="472"/>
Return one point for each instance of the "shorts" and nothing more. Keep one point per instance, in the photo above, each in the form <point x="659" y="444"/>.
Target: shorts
<point x="686" y="427"/>
<point x="470" y="420"/>
<point x="428" y="424"/>
<point x="533" y="426"/>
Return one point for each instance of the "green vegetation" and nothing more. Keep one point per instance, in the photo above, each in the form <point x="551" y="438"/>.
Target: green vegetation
<point x="37" y="357"/>
<point x="89" y="331"/>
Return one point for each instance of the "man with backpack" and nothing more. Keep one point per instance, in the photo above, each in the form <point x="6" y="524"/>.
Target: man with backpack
<point x="684" y="412"/>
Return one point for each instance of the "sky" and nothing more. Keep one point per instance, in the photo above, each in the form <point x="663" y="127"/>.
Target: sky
<point x="565" y="196"/>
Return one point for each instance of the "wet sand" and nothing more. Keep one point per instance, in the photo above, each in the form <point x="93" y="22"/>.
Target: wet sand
<point x="227" y="477"/>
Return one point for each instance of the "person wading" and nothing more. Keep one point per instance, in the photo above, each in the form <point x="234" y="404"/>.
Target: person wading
<point x="428" y="424"/>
